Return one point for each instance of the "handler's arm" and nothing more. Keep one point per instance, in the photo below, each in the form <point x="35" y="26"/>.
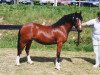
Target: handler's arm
<point x="89" y="23"/>
<point x="84" y="24"/>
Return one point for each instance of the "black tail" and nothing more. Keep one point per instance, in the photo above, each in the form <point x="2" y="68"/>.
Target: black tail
<point x="18" y="41"/>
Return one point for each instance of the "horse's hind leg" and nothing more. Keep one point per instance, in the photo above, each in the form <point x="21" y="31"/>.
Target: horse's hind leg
<point x="19" y="51"/>
<point x="28" y="45"/>
<point x="57" y="62"/>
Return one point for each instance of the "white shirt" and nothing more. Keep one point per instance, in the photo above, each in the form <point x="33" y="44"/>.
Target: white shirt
<point x="96" y="24"/>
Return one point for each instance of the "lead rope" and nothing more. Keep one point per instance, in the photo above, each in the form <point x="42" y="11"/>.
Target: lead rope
<point x="78" y="39"/>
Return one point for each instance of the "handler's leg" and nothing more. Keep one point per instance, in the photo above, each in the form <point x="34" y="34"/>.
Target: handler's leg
<point x="95" y="41"/>
<point x="97" y="53"/>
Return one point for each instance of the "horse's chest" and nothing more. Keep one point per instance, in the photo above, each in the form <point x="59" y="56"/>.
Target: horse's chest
<point x="61" y="35"/>
<point x="64" y="39"/>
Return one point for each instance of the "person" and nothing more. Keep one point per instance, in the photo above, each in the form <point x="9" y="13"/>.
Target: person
<point x="95" y="37"/>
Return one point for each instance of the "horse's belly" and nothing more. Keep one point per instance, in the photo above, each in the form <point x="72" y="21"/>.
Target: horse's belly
<point x="45" y="41"/>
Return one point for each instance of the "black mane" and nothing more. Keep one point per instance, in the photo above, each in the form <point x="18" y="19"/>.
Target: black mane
<point x="67" y="19"/>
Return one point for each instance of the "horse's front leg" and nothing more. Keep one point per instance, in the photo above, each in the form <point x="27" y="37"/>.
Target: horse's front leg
<point x="57" y="61"/>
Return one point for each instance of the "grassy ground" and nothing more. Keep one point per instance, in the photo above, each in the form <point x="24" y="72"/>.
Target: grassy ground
<point x="72" y="63"/>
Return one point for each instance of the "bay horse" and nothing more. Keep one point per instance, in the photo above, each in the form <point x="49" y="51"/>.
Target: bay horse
<point x="56" y="33"/>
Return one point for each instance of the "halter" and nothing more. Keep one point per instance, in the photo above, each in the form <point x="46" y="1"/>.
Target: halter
<point x="74" y="20"/>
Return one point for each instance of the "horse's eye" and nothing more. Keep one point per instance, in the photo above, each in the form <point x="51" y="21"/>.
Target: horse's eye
<point x="73" y="18"/>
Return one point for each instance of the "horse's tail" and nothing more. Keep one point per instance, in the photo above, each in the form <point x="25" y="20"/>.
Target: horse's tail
<point x="18" y="42"/>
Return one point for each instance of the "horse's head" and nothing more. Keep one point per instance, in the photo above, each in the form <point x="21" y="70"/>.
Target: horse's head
<point x="77" y="21"/>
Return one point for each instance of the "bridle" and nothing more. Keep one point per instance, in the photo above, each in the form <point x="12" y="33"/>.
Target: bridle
<point x="74" y="20"/>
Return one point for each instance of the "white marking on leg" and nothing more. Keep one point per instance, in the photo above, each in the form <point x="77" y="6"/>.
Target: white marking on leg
<point x="57" y="65"/>
<point x="29" y="59"/>
<point x="96" y="65"/>
<point x="17" y="60"/>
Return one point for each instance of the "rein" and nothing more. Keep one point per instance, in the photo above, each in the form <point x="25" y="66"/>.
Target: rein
<point x="78" y="39"/>
<point x="78" y="34"/>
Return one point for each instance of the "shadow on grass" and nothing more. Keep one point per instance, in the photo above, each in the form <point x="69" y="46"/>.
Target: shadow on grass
<point x="44" y="59"/>
<point x="90" y="60"/>
<point x="52" y="59"/>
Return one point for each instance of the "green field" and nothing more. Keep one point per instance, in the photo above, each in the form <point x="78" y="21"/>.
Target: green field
<point x="20" y="14"/>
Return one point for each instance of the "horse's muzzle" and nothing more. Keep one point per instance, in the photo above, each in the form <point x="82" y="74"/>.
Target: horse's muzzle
<point x="79" y="30"/>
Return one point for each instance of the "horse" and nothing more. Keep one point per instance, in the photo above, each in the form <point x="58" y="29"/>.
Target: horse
<point x="56" y="33"/>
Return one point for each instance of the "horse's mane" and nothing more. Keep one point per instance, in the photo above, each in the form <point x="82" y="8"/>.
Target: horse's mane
<point x="63" y="20"/>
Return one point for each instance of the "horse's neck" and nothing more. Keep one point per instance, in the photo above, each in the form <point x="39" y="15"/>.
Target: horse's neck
<point x="68" y="27"/>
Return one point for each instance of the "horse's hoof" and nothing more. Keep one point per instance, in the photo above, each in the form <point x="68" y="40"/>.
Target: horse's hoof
<point x="30" y="62"/>
<point x="58" y="68"/>
<point x="95" y="66"/>
<point x="17" y="64"/>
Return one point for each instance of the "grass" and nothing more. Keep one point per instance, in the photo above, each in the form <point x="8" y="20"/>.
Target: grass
<point x="73" y="63"/>
<point x="20" y="14"/>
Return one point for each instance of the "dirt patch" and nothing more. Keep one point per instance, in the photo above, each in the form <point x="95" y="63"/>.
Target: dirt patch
<point x="72" y="63"/>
